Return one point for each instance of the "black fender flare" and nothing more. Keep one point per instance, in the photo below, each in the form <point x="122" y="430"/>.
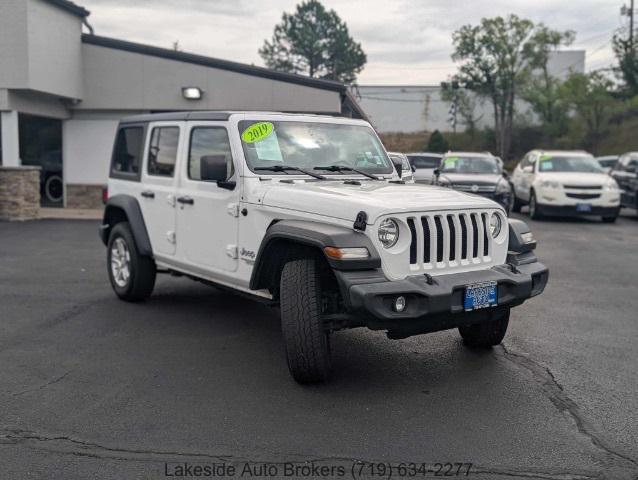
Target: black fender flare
<point x="130" y="208"/>
<point x="287" y="233"/>
<point x="516" y="243"/>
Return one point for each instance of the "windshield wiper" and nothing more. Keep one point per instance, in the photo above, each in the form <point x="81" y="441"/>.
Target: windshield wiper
<point x="340" y="169"/>
<point x="286" y="168"/>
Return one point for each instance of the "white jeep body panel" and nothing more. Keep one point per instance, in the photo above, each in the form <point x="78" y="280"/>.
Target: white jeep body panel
<point x="212" y="239"/>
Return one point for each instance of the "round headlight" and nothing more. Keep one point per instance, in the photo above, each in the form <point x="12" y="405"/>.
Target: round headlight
<point x="388" y="233"/>
<point x="495" y="225"/>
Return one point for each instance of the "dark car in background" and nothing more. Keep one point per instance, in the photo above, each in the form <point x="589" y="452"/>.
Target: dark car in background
<point x="424" y="164"/>
<point x="478" y="173"/>
<point x="625" y="172"/>
<point x="608" y="162"/>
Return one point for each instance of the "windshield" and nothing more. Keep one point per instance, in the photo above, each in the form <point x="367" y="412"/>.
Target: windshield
<point x="424" y="161"/>
<point x="308" y="145"/>
<point x="456" y="164"/>
<point x="550" y="163"/>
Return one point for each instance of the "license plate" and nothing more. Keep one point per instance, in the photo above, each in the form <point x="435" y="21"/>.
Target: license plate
<point x="480" y="295"/>
<point x="583" y="207"/>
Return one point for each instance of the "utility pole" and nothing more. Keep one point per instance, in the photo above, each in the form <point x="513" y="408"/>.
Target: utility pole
<point x="631" y="25"/>
<point x="629" y="12"/>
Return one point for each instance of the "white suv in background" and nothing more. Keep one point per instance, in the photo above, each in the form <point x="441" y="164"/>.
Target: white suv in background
<point x="564" y="183"/>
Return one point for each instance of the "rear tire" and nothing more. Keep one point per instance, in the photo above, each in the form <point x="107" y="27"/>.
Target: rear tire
<point x="132" y="275"/>
<point x="306" y="340"/>
<point x="516" y="205"/>
<point x="486" y="334"/>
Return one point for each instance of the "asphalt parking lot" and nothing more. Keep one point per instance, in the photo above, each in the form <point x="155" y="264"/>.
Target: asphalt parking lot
<point x="92" y="387"/>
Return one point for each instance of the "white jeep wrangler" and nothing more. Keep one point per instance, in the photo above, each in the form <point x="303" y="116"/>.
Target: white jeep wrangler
<point x="309" y="214"/>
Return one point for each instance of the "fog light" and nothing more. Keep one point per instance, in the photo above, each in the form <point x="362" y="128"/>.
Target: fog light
<point x="399" y="304"/>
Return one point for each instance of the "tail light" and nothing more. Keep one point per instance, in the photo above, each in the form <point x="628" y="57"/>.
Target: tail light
<point x="105" y="194"/>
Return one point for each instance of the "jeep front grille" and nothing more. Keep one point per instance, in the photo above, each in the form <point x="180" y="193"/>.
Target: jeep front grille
<point x="449" y="239"/>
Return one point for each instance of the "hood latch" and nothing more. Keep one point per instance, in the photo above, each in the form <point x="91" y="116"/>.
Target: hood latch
<point x="361" y="221"/>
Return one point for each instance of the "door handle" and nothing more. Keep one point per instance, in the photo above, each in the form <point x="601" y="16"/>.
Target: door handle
<point x="186" y="200"/>
<point x="148" y="194"/>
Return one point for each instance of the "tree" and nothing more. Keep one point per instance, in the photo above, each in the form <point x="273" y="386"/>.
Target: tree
<point x="627" y="70"/>
<point x="316" y="42"/>
<point x="466" y="105"/>
<point x="437" y="143"/>
<point x="497" y="57"/>
<point x="589" y="98"/>
<point x="542" y="90"/>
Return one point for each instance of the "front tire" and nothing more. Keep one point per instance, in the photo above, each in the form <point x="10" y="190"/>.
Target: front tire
<point x="306" y="339"/>
<point x="488" y="333"/>
<point x="132" y="275"/>
<point x="610" y="219"/>
<point x="534" y="214"/>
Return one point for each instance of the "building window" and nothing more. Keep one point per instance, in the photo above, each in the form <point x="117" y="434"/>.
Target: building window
<point x="128" y="152"/>
<point x="40" y="144"/>
<point x="208" y="141"/>
<point x="162" y="151"/>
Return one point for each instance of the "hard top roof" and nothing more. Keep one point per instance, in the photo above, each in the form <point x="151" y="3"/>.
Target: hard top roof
<point x="209" y="115"/>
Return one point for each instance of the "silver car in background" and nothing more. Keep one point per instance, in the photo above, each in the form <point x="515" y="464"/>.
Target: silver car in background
<point x="406" y="169"/>
<point x="424" y="164"/>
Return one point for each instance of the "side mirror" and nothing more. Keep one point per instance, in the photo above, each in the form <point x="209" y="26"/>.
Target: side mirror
<point x="437" y="172"/>
<point x="413" y="168"/>
<point x="506" y="175"/>
<point x="398" y="165"/>
<point x="214" y="168"/>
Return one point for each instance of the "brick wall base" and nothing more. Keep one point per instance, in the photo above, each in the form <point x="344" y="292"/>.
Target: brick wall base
<point x="84" y="196"/>
<point x="19" y="193"/>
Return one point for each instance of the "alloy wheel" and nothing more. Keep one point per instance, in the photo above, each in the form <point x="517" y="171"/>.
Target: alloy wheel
<point x="120" y="262"/>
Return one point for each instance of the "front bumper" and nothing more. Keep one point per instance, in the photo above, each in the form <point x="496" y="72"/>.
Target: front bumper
<point x="435" y="303"/>
<point x="572" y="210"/>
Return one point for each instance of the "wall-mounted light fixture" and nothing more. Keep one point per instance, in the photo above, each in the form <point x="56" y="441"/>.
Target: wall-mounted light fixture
<point x="192" y="93"/>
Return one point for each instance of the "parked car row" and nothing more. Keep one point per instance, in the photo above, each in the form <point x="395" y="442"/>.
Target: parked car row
<point x="550" y="182"/>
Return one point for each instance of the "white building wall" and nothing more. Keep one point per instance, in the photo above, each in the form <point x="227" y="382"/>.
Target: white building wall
<point x="417" y="108"/>
<point x="117" y="79"/>
<point x="87" y="143"/>
<point x="54" y="57"/>
<point x="14" y="70"/>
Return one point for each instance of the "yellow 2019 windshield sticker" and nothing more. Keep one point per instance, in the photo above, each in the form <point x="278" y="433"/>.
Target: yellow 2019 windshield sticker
<point x="257" y="132"/>
<point x="544" y="158"/>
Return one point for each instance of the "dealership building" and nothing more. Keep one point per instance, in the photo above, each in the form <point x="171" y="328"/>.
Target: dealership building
<point x="63" y="90"/>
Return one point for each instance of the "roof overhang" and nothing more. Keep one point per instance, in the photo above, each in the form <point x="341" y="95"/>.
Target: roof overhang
<point x="69" y="7"/>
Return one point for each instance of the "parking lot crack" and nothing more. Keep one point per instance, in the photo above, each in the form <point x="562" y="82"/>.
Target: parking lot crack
<point x="563" y="403"/>
<point x="43" y="386"/>
<point x="540" y="474"/>
<point x="74" y="446"/>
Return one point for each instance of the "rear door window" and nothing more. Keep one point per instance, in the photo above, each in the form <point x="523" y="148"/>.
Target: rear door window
<point x="162" y="151"/>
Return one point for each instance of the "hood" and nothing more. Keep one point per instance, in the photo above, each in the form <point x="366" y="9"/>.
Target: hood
<point x="575" y="179"/>
<point x="490" y="179"/>
<point x="339" y="200"/>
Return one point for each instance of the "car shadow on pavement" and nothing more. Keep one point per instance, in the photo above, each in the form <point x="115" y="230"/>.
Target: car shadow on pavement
<point x="362" y="359"/>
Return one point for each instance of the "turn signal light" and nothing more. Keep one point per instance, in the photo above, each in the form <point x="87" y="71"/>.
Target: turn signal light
<point x="355" y="253"/>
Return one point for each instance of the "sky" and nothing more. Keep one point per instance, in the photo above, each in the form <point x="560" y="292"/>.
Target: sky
<point x="408" y="42"/>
